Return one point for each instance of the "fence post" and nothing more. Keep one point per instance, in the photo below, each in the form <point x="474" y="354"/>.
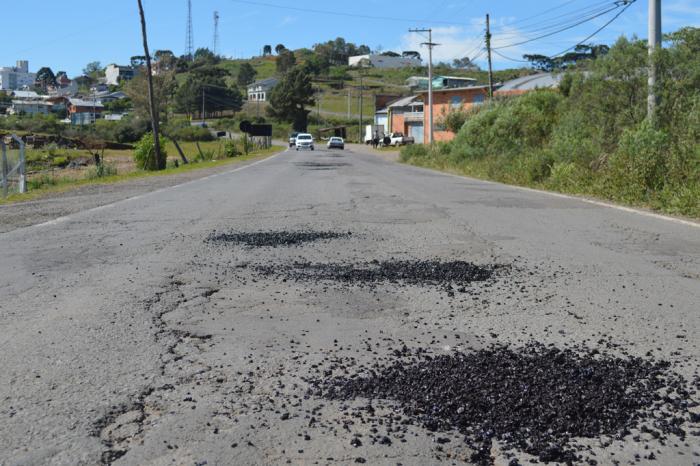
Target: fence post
<point x="21" y="171"/>
<point x="3" y="149"/>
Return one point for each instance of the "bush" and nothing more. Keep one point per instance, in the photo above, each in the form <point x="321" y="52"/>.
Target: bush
<point x="231" y="149"/>
<point x="144" y="152"/>
<point x="100" y="171"/>
<point x="192" y="134"/>
<point x="60" y="162"/>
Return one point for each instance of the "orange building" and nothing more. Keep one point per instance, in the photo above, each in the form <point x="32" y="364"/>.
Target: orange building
<point x="450" y="100"/>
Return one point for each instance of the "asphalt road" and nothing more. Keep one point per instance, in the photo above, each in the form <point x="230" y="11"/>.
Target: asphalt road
<point x="127" y="338"/>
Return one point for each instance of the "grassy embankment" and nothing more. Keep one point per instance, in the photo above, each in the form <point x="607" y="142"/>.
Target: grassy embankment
<point x="122" y="168"/>
<point x="593" y="137"/>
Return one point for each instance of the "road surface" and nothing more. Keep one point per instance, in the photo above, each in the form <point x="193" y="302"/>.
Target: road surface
<point x="128" y="338"/>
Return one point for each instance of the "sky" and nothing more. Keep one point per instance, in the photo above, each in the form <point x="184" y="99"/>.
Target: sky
<point x="68" y="35"/>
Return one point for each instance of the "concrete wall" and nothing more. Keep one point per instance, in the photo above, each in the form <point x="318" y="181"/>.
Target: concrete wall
<point x="451" y="100"/>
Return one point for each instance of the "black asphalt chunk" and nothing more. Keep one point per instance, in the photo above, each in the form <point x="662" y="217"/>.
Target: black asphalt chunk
<point x="420" y="272"/>
<point x="535" y="399"/>
<point x="275" y="238"/>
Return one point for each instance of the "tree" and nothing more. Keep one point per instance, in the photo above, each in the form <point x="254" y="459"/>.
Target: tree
<point x="286" y="61"/>
<point x="93" y="69"/>
<point x="246" y="74"/>
<point x="279" y="48"/>
<point x="45" y="78"/>
<point x="137" y="61"/>
<point x="411" y="54"/>
<point x="159" y="156"/>
<point x="164" y="86"/>
<point x="165" y="60"/>
<point x="540" y="62"/>
<point x="291" y="97"/>
<point x="389" y="53"/>
<point x="465" y="63"/>
<point x="205" y="57"/>
<point x="208" y="86"/>
<point x="267" y="50"/>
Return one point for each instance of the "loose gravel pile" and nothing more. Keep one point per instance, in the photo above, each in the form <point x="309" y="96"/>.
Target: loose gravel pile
<point x="449" y="275"/>
<point x="275" y="238"/>
<point x="533" y="399"/>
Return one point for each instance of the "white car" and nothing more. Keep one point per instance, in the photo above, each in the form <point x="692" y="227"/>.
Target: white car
<point x="336" y="143"/>
<point x="305" y="141"/>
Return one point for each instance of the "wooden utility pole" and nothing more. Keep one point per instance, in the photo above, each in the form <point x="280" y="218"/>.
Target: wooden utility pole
<point x="654" y="44"/>
<point x="160" y="160"/>
<point x="488" y="49"/>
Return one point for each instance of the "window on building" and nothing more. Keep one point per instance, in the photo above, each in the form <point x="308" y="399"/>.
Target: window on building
<point x="456" y="101"/>
<point x="478" y="99"/>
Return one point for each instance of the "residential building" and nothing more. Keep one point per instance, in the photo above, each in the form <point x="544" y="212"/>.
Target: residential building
<point x="259" y="91"/>
<point x="377" y="60"/>
<point x="406" y="116"/>
<point x="450" y="100"/>
<point x="30" y="107"/>
<point x="381" y="119"/>
<point x="16" y="77"/>
<point x="84" y="112"/>
<point x="25" y="95"/>
<point x="107" y="97"/>
<point x="420" y="83"/>
<point x="525" y="84"/>
<point x="115" y="74"/>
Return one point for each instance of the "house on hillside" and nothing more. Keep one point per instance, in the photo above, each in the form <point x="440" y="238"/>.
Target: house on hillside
<point x="84" y="112"/>
<point x="420" y="83"/>
<point x="259" y="91"/>
<point x="114" y="74"/>
<point x="378" y="60"/>
<point x="406" y="116"/>
<point x="525" y="84"/>
<point x="30" y="107"/>
<point x="16" y="77"/>
<point x="450" y="100"/>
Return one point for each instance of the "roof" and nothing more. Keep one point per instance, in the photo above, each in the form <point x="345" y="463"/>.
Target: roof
<point x="265" y="82"/>
<point x="383" y="110"/>
<point x="31" y="102"/>
<point x="85" y="103"/>
<point x="532" y="82"/>
<point x="25" y="94"/>
<point x="404" y="102"/>
<point x="453" y="89"/>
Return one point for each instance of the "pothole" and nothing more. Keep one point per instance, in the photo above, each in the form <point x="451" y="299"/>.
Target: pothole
<point x="275" y="238"/>
<point x="452" y="276"/>
<point x="321" y="165"/>
<point x="534" y="399"/>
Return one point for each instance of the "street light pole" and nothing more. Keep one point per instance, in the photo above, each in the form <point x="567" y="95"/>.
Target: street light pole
<point x="430" y="44"/>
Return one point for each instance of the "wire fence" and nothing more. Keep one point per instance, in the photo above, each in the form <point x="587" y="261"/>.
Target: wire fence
<point x="13" y="161"/>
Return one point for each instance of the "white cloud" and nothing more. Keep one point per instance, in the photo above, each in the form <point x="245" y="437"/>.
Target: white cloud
<point x="288" y="20"/>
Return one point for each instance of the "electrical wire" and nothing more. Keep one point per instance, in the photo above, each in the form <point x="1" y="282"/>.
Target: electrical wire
<point x="509" y="58"/>
<point x="566" y="17"/>
<point x="578" y="23"/>
<point x="597" y="30"/>
<point x="340" y="13"/>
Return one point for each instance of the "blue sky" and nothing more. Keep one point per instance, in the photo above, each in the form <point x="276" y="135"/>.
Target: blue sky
<point x="67" y="35"/>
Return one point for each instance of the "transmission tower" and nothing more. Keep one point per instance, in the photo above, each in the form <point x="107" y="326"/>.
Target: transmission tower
<point x="189" y="40"/>
<point x="216" y="32"/>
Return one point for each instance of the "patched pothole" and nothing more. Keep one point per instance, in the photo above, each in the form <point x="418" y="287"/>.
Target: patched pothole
<point x="275" y="238"/>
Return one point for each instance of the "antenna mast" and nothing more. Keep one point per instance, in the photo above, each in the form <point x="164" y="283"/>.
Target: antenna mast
<point x="189" y="39"/>
<point x="216" y="32"/>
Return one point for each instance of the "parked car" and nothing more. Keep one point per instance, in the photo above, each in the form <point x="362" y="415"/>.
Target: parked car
<point x="336" y="143"/>
<point x="293" y="139"/>
<point x="304" y="141"/>
<point x="398" y="139"/>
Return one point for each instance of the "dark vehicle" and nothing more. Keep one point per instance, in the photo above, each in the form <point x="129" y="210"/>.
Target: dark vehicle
<point x="336" y="143"/>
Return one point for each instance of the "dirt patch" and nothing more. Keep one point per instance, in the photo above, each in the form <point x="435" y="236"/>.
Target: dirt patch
<point x="451" y="276"/>
<point x="534" y="399"/>
<point x="275" y="238"/>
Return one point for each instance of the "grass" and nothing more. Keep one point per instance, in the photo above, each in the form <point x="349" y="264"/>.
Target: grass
<point x="64" y="184"/>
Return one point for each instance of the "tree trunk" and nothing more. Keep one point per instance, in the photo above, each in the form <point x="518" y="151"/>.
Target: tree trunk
<point x="160" y="160"/>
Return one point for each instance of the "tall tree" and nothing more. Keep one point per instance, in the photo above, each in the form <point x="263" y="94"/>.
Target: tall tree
<point x="286" y="61"/>
<point x="207" y="86"/>
<point x="93" y="69"/>
<point x="137" y="61"/>
<point x="45" y="77"/>
<point x="160" y="159"/>
<point x="164" y="86"/>
<point x="291" y="97"/>
<point x="246" y="74"/>
<point x="279" y="48"/>
<point x="267" y="50"/>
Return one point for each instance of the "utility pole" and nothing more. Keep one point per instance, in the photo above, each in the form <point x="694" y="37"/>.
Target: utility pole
<point x="488" y="49"/>
<point x="654" y="44"/>
<point x="155" y="122"/>
<point x="204" y="117"/>
<point x="349" y="97"/>
<point x="362" y="86"/>
<point x="430" y="44"/>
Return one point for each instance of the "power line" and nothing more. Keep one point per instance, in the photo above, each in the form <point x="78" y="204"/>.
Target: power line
<point x="597" y="30"/>
<point x="578" y="23"/>
<point x="343" y="14"/>
<point x="565" y="17"/>
<point x="509" y="58"/>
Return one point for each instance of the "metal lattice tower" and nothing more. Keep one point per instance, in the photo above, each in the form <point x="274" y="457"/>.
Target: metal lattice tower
<point x="215" y="45"/>
<point x="189" y="40"/>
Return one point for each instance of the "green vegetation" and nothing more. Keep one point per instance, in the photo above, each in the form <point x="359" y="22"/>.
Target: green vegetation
<point x="593" y="137"/>
<point x="145" y="152"/>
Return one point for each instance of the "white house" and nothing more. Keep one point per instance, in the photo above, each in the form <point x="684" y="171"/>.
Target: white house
<point x="114" y="74"/>
<point x="260" y="90"/>
<point x="16" y="77"/>
<point x="30" y="107"/>
<point x="377" y="60"/>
